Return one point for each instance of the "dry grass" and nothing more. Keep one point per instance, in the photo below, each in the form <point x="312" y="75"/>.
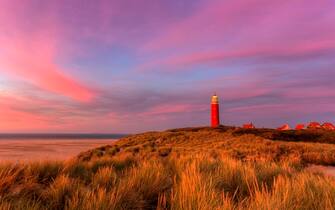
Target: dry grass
<point x="196" y="168"/>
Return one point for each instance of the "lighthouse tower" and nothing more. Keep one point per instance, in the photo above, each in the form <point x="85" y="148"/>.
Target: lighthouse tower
<point x="215" y="115"/>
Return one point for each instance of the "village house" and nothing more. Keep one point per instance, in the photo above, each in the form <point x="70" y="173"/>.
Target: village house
<point x="248" y="126"/>
<point x="300" y="127"/>
<point x="328" y="126"/>
<point x="284" y="128"/>
<point x="314" y="125"/>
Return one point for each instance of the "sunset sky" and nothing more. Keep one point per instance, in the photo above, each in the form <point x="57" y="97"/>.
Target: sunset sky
<point x="134" y="65"/>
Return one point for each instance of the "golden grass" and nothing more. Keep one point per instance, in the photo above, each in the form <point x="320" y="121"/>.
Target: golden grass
<point x="177" y="182"/>
<point x="203" y="169"/>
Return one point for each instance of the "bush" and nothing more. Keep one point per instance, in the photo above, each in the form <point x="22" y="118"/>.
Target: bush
<point x="163" y="152"/>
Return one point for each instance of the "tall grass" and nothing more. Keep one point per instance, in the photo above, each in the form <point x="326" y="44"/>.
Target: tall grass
<point x="177" y="182"/>
<point x="194" y="169"/>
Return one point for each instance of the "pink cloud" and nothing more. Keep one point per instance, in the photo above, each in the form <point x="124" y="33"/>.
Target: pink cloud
<point x="12" y="120"/>
<point x="37" y="65"/>
<point x="238" y="23"/>
<point x="285" y="110"/>
<point x="24" y="113"/>
<point x="223" y="30"/>
<point x="174" y="63"/>
<point x="166" y="109"/>
<point x="31" y="55"/>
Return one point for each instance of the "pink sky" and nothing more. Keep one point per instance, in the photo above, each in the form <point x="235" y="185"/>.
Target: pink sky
<point x="130" y="66"/>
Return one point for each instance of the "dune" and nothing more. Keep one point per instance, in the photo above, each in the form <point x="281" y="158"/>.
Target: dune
<point x="189" y="168"/>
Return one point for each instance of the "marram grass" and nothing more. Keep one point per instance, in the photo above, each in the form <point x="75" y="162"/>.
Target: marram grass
<point x="175" y="170"/>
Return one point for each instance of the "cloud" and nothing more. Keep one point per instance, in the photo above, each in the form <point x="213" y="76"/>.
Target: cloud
<point x="269" y="31"/>
<point x="116" y="109"/>
<point x="259" y="54"/>
<point x="31" y="55"/>
<point x="166" y="109"/>
<point x="236" y="24"/>
<point x="40" y="69"/>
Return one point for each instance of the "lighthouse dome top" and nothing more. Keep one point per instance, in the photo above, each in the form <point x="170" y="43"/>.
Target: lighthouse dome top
<point x="215" y="99"/>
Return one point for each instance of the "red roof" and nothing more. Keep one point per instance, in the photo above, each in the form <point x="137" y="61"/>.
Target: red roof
<point x="314" y="125"/>
<point x="248" y="125"/>
<point x="284" y="127"/>
<point x="328" y="126"/>
<point x="300" y="127"/>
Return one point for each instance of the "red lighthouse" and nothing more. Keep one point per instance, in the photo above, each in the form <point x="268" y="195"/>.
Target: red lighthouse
<point x="215" y="116"/>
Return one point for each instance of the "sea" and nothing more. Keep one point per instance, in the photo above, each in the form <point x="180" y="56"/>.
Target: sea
<point x="41" y="147"/>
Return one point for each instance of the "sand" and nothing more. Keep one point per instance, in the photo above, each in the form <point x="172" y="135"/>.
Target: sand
<point x="46" y="149"/>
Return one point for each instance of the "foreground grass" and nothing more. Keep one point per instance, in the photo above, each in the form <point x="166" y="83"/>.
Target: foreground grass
<point x="204" y="169"/>
<point x="184" y="182"/>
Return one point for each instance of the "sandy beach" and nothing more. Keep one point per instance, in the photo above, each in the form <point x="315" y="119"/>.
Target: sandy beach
<point x="46" y="149"/>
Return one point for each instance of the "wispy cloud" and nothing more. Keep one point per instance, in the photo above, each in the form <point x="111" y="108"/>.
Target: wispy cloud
<point x="31" y="55"/>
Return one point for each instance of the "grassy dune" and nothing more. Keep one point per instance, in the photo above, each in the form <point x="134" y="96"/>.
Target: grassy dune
<point x="195" y="168"/>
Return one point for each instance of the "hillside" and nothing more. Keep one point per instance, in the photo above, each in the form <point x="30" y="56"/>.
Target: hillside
<point x="303" y="146"/>
<point x="188" y="168"/>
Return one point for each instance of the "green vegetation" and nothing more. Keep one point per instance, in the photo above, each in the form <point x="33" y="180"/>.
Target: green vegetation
<point x="192" y="168"/>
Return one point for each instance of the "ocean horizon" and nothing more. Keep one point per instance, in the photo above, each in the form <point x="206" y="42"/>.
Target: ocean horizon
<point x="59" y="136"/>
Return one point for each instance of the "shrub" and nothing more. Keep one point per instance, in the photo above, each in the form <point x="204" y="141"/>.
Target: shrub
<point x="163" y="152"/>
